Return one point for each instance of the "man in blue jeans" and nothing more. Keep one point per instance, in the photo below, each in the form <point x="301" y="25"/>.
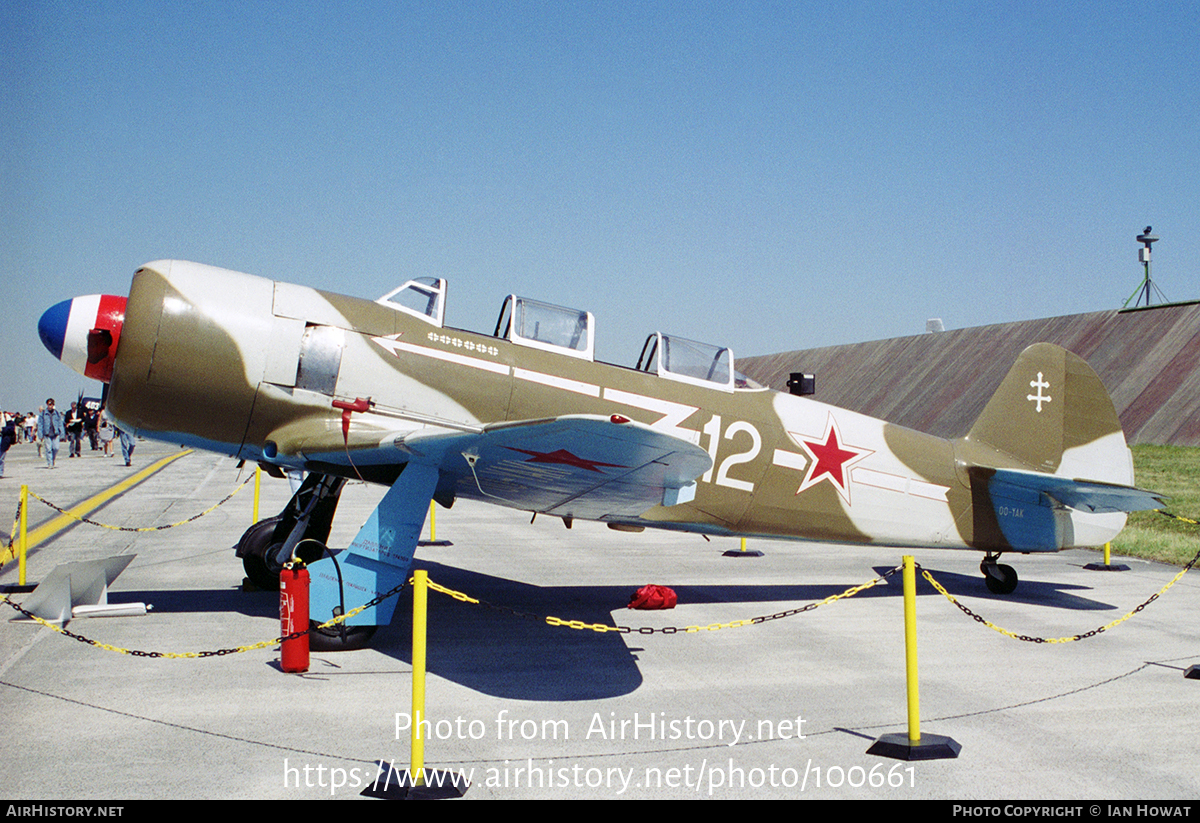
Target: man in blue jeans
<point x="51" y="429"/>
<point x="127" y="444"/>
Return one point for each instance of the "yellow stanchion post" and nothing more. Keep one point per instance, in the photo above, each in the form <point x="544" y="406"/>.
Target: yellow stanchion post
<point x="1107" y="565"/>
<point x="257" y="486"/>
<point x="433" y="540"/>
<point x="910" y="651"/>
<point x="911" y="745"/>
<point x="24" y="541"/>
<point x="743" y="552"/>
<point x="418" y="782"/>
<point x="416" y="767"/>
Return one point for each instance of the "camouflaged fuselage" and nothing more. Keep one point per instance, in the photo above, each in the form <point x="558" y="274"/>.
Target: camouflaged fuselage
<point x="250" y="367"/>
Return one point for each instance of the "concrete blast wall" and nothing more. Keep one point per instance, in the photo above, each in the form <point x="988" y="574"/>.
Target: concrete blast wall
<point x="938" y="383"/>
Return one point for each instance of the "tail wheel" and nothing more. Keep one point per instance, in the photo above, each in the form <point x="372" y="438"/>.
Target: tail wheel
<point x="1000" y="579"/>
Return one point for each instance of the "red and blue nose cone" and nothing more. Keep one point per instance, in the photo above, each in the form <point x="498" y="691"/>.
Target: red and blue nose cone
<point x="84" y="332"/>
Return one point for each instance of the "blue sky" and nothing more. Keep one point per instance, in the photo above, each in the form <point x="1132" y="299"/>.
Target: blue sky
<point x="767" y="176"/>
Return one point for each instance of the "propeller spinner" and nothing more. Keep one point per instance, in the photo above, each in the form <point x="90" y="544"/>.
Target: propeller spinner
<point x="84" y="333"/>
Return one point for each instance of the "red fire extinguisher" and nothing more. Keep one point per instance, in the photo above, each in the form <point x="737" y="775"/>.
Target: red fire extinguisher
<point x="293" y="616"/>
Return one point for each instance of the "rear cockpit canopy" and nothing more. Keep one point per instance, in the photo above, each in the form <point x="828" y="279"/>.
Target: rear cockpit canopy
<point x="688" y="361"/>
<point x="423" y="297"/>
<point x="547" y="327"/>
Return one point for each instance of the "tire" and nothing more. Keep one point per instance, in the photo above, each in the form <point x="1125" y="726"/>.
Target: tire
<point x="332" y="640"/>
<point x="1001" y="579"/>
<point x="258" y="548"/>
<point x="253" y="548"/>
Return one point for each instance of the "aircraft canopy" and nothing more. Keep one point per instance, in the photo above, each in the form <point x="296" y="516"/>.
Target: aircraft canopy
<point x="423" y="297"/>
<point x="546" y="326"/>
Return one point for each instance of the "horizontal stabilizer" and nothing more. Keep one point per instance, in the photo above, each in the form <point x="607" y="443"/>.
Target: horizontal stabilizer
<point x="1084" y="495"/>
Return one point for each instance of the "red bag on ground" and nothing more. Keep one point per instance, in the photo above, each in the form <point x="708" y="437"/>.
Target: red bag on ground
<point x="653" y="597"/>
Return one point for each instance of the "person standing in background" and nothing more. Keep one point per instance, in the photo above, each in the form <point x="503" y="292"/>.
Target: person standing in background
<point x="8" y="436"/>
<point x="91" y="424"/>
<point x="106" y="433"/>
<point x="36" y="436"/>
<point x="51" y="429"/>
<point x="127" y="444"/>
<point x="74" y="424"/>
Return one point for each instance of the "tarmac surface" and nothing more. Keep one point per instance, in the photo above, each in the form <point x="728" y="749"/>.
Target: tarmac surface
<point x="782" y="709"/>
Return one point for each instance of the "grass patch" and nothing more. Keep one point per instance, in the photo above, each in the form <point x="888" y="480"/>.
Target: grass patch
<point x="1174" y="471"/>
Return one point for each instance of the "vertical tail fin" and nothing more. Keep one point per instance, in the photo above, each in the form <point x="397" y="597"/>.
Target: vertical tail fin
<point x="1046" y="461"/>
<point x="1052" y="414"/>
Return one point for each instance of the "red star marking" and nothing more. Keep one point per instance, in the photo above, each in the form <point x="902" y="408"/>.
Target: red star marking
<point x="830" y="460"/>
<point x="565" y="458"/>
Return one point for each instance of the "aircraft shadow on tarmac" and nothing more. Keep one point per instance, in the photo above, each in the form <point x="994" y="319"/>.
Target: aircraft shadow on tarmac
<point x="203" y="601"/>
<point x="1029" y="592"/>
<point x="497" y="652"/>
<point x="511" y="652"/>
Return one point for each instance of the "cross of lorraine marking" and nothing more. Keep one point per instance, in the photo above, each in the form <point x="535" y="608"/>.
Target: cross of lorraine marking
<point x="1039" y="384"/>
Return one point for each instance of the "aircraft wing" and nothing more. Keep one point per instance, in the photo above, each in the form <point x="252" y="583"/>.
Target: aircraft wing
<point x="1085" y="495"/>
<point x="577" y="466"/>
<point x="584" y="466"/>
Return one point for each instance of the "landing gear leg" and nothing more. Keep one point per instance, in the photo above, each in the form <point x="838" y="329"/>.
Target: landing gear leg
<point x="268" y="544"/>
<point x="1000" y="579"/>
<point x="339" y="638"/>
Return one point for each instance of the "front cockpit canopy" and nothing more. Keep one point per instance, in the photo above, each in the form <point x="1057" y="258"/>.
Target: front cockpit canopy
<point x="423" y="297"/>
<point x="688" y="361"/>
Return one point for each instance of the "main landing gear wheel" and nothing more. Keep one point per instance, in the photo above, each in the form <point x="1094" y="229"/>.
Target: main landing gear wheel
<point x="339" y="638"/>
<point x="259" y="550"/>
<point x="1000" y="579"/>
